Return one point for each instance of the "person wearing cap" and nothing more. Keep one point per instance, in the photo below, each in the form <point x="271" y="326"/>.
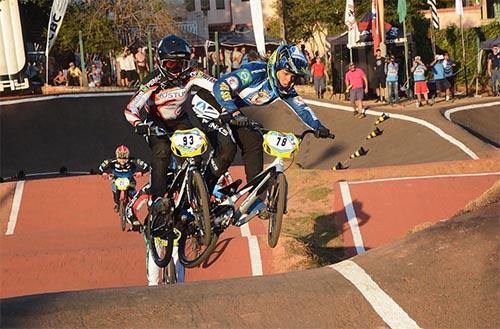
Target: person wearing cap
<point x="442" y="83"/>
<point x="392" y="76"/>
<point x="357" y="86"/>
<point x="494" y="69"/>
<point x="418" y="69"/>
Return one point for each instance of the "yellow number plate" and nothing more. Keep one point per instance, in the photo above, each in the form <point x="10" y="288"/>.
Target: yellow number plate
<point x="188" y="143"/>
<point x="122" y="183"/>
<point x="282" y="145"/>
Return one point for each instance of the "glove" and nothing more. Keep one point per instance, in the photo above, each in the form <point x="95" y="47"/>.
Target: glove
<point x="142" y="129"/>
<point x="322" y="132"/>
<point x="105" y="175"/>
<point x="225" y="117"/>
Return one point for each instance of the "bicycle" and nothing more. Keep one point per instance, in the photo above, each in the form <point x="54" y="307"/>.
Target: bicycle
<point x="123" y="183"/>
<point x="186" y="204"/>
<point x="271" y="184"/>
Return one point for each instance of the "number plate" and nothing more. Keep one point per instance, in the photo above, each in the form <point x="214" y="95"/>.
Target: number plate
<point x="188" y="143"/>
<point x="122" y="183"/>
<point x="282" y="145"/>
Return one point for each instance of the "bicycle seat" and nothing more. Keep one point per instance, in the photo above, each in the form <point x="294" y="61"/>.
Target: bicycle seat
<point x="231" y="188"/>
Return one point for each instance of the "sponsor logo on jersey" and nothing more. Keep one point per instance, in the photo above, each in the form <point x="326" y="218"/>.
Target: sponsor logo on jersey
<point x="260" y="97"/>
<point x="233" y="82"/>
<point x="224" y="86"/>
<point x="258" y="71"/>
<point x="171" y="94"/>
<point x="244" y="75"/>
<point x="225" y="95"/>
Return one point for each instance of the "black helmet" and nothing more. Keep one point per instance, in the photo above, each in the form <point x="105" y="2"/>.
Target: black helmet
<point x="173" y="55"/>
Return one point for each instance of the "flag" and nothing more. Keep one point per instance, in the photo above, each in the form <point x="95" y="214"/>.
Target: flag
<point x="402" y="10"/>
<point x="352" y="25"/>
<point x="375" y="26"/>
<point x="258" y="26"/>
<point x="434" y="14"/>
<point x="459" y="8"/>
<point x="55" y="21"/>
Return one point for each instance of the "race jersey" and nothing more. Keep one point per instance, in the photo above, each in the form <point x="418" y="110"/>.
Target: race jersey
<point x="392" y="71"/>
<point x="419" y="73"/>
<point x="161" y="99"/>
<point x="250" y="86"/>
<point x="438" y="70"/>
<point x="131" y="166"/>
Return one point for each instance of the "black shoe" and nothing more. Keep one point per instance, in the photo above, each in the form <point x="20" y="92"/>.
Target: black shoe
<point x="378" y="100"/>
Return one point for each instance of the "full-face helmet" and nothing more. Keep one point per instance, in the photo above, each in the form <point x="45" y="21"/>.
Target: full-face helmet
<point x="173" y="56"/>
<point x="289" y="58"/>
<point x="122" y="152"/>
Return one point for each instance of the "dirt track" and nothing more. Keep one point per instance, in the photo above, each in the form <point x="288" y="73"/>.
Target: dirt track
<point x="258" y="301"/>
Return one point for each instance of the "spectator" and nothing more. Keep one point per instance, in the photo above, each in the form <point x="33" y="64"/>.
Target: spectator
<point x="60" y="79"/>
<point x="421" y="88"/>
<point x="319" y="77"/>
<point x="236" y="57"/>
<point x="379" y="74"/>
<point x="356" y="82"/>
<point x="448" y="72"/>
<point x="95" y="76"/>
<point x="392" y="77"/>
<point x="74" y="75"/>
<point x="194" y="60"/>
<point x="141" y="63"/>
<point x="494" y="70"/>
<point x="126" y="66"/>
<point x="442" y="83"/>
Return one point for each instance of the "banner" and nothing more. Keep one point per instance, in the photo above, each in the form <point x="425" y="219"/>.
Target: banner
<point x="459" y="8"/>
<point x="55" y="22"/>
<point x="352" y="25"/>
<point x="375" y="26"/>
<point x="258" y="26"/>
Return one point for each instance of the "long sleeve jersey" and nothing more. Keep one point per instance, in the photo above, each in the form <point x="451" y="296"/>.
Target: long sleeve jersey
<point x="131" y="166"/>
<point x="250" y="85"/>
<point x="161" y="99"/>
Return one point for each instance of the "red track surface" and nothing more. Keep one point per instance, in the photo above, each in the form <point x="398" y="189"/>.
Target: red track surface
<point x="389" y="209"/>
<point x="68" y="238"/>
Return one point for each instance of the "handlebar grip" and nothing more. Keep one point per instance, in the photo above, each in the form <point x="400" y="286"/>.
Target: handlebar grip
<point x="239" y="123"/>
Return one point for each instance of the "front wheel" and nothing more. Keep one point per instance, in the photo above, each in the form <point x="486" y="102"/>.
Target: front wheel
<point x="276" y="207"/>
<point x="121" y="213"/>
<point x="160" y="242"/>
<point x="199" y="204"/>
<point x="192" y="251"/>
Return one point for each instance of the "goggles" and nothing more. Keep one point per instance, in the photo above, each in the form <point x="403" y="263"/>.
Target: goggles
<point x="173" y="65"/>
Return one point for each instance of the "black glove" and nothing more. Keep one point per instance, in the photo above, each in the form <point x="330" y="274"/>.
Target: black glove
<point x="322" y="132"/>
<point x="225" y="117"/>
<point x="142" y="129"/>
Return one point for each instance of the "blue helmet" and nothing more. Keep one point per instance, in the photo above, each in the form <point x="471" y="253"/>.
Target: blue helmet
<point x="290" y="58"/>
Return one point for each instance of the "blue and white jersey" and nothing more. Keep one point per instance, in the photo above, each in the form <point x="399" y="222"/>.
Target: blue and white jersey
<point x="419" y="73"/>
<point x="392" y="72"/>
<point x="250" y="86"/>
<point x="438" y="70"/>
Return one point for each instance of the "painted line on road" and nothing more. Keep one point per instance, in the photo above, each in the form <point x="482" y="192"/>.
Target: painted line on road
<point x="424" y="123"/>
<point x="447" y="113"/>
<point x="254" y="250"/>
<point x="390" y="312"/>
<point x="48" y="98"/>
<point x="497" y="173"/>
<point x="16" y="204"/>
<point x="352" y="220"/>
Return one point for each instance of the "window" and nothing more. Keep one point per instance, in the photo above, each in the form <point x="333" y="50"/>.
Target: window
<point x="190" y="5"/>
<point x="220" y="4"/>
<point x="245" y="0"/>
<point x="205" y="4"/>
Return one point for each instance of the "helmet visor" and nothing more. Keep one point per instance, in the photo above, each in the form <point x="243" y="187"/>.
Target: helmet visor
<point x="174" y="66"/>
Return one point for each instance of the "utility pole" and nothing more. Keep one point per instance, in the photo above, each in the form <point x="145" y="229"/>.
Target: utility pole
<point x="283" y="20"/>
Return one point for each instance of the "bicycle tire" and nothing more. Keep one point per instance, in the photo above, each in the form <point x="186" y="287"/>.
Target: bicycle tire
<point x="121" y="213"/>
<point x="160" y="248"/>
<point x="170" y="275"/>
<point x="192" y="253"/>
<point x="278" y="200"/>
<point x="201" y="210"/>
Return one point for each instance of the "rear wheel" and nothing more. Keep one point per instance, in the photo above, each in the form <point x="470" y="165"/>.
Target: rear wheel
<point x="192" y="251"/>
<point x="276" y="207"/>
<point x="200" y="206"/>
<point x="159" y="241"/>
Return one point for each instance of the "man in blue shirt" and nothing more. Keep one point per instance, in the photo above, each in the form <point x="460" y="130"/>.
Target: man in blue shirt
<point x="392" y="76"/>
<point x="448" y="72"/>
<point x="442" y="83"/>
<point x="259" y="83"/>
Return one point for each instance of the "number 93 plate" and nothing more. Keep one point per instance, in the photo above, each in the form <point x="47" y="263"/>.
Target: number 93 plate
<point x="282" y="145"/>
<point x="188" y="143"/>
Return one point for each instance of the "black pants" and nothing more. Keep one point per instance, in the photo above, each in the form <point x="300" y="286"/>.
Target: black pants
<point x="250" y="144"/>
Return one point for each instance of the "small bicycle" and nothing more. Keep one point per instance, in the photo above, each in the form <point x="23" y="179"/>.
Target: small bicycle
<point x="270" y="186"/>
<point x="123" y="183"/>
